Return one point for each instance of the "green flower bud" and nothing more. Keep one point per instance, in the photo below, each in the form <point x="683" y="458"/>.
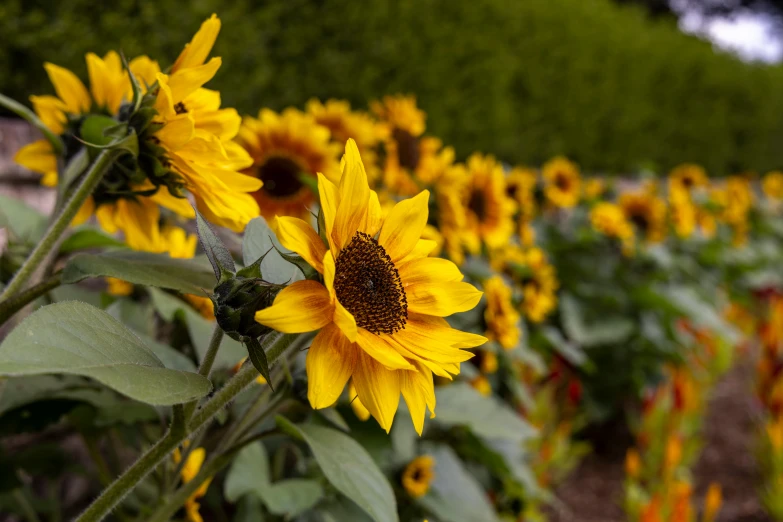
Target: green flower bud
<point x="236" y="302"/>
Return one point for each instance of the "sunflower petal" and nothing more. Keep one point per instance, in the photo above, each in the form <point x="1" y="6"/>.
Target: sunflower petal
<point x="196" y="52"/>
<point x="419" y="393"/>
<point x="429" y="270"/>
<point x="442" y="299"/>
<point x="378" y="389"/>
<point x="354" y="197"/>
<point x="302" y="307"/>
<point x="329" y="202"/>
<point x="330" y="363"/>
<point x="403" y="226"/>
<point x="69" y="89"/>
<point x="345" y="321"/>
<point x="381" y="351"/>
<point x="438" y="328"/>
<point x="423" y="248"/>
<point x="38" y="156"/>
<point x="296" y="235"/>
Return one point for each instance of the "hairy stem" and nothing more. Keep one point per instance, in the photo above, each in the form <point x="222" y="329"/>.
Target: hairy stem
<point x="206" y="364"/>
<point x="15" y="303"/>
<point x="88" y="183"/>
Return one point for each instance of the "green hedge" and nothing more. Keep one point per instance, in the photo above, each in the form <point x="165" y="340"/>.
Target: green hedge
<point x="524" y="80"/>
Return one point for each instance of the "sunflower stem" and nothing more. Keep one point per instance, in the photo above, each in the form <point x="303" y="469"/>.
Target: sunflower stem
<point x="31" y="118"/>
<point x="13" y="304"/>
<point x="88" y="183"/>
<point x="206" y="364"/>
<point x="126" y="482"/>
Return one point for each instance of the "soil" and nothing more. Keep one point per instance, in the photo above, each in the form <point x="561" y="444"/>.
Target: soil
<point x="593" y="493"/>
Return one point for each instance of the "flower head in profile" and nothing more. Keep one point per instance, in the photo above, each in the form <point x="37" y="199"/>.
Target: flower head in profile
<point x="562" y="182"/>
<point x="380" y="308"/>
<point x="647" y="212"/>
<point x="418" y="475"/>
<point x="285" y="148"/>
<point x="501" y="317"/>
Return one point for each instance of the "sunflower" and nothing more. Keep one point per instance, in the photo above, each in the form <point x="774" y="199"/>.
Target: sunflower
<point x="647" y="212"/>
<point x="418" y="476"/>
<point x="772" y="185"/>
<point x="344" y="123"/>
<point x="286" y="148"/>
<point x="609" y="219"/>
<point x="685" y="178"/>
<point x="452" y="214"/>
<point x="682" y="213"/>
<point x="358" y="408"/>
<point x="594" y="188"/>
<point x="381" y="305"/>
<point x="189" y="471"/>
<point x="501" y="318"/>
<point x="411" y="158"/>
<point x="185" y="142"/>
<point x="530" y="269"/>
<point x="562" y="182"/>
<point x="521" y="187"/>
<point x="482" y="385"/>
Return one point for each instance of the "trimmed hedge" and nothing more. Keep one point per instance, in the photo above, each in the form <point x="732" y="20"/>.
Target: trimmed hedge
<point x="525" y="80"/>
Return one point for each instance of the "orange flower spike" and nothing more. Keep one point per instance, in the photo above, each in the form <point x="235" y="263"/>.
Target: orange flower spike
<point x="712" y="503"/>
<point x="633" y="464"/>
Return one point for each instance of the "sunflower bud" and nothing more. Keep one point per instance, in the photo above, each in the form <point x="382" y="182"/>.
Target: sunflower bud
<point x="236" y="302"/>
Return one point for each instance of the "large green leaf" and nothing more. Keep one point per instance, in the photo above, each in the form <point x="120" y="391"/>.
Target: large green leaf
<point x="292" y="497"/>
<point x="24" y="222"/>
<point x="142" y="268"/>
<point x="459" y="404"/>
<point x="454" y="494"/>
<point x="86" y="237"/>
<point x="249" y="473"/>
<point x="349" y="468"/>
<point x="76" y="338"/>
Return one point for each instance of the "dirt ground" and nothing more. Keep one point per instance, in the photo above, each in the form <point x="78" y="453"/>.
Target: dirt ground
<point x="593" y="493"/>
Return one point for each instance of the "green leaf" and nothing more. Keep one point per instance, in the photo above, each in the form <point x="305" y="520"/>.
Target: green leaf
<point x="24" y="222"/>
<point x="348" y="467"/>
<point x="258" y="357"/>
<point x="611" y="330"/>
<point x="249" y="473"/>
<point x="219" y="256"/>
<point x="76" y="338"/>
<point x="73" y="169"/>
<point x="137" y="316"/>
<point x="572" y="317"/>
<point x="567" y="349"/>
<point x="86" y="237"/>
<point x="141" y="268"/>
<point x="460" y="405"/>
<point x="455" y="495"/>
<point x="135" y="87"/>
<point x="292" y="497"/>
<point x="259" y="240"/>
<point x="334" y="418"/>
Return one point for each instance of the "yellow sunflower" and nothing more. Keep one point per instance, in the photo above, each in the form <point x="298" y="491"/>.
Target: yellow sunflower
<point x="647" y="212"/>
<point x="500" y="316"/>
<point x="521" y="187"/>
<point x="610" y="220"/>
<point x="285" y="148"/>
<point x="482" y="385"/>
<point x="562" y="182"/>
<point x="418" y="476"/>
<point x="685" y="178"/>
<point x="594" y="188"/>
<point x="411" y="158"/>
<point x="344" y="123"/>
<point x="682" y="213"/>
<point x="772" y="185"/>
<point x="189" y="471"/>
<point x="358" y="408"/>
<point x="381" y="305"/>
<point x="531" y="269"/>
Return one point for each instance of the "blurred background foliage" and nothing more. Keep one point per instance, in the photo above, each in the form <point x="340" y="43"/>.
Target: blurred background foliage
<point x="605" y="84"/>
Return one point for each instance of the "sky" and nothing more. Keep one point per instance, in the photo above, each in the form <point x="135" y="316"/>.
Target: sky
<point x="748" y="35"/>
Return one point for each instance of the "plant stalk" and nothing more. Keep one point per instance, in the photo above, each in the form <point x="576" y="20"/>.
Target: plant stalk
<point x="88" y="183"/>
<point x="126" y="482"/>
<point x="15" y="303"/>
<point x="206" y="364"/>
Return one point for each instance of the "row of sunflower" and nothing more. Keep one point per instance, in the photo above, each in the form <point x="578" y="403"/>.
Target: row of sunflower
<point x="344" y="275"/>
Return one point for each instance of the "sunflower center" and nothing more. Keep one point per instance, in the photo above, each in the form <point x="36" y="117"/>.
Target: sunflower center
<point x="280" y="176"/>
<point x="477" y="204"/>
<point x="640" y="220"/>
<point x="407" y="149"/>
<point x="562" y="182"/>
<point x="368" y="285"/>
<point x="688" y="182"/>
<point x="418" y="475"/>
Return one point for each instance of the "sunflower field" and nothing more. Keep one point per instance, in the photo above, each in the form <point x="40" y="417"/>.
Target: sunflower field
<point x="320" y="314"/>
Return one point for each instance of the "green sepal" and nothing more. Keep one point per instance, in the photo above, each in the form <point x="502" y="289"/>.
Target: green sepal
<point x="135" y="87"/>
<point x="307" y="271"/>
<point x="217" y="253"/>
<point x="253" y="270"/>
<point x="258" y="357"/>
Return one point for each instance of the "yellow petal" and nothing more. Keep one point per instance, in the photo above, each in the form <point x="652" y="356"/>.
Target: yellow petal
<point x="177" y="131"/>
<point x="38" y="156"/>
<point x="354" y="197"/>
<point x="403" y="226"/>
<point x="106" y="217"/>
<point x="302" y="307"/>
<point x="378" y="389"/>
<point x="345" y="321"/>
<point x="439" y="328"/>
<point x="429" y="270"/>
<point x="374" y="217"/>
<point x="423" y="248"/>
<point x="377" y="348"/>
<point x="186" y="81"/>
<point x="100" y="82"/>
<point x="180" y="206"/>
<point x="329" y="201"/>
<point x="419" y="393"/>
<point x="330" y="363"/>
<point x="145" y="70"/>
<point x="85" y="212"/>
<point x="442" y="299"/>
<point x="51" y="111"/>
<point x="196" y="52"/>
<point x="296" y="235"/>
<point x="69" y="89"/>
<point x="139" y="220"/>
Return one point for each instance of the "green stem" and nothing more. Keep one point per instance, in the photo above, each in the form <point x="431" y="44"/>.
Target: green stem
<point x="23" y="112"/>
<point x="124" y="484"/>
<point x="15" y="303"/>
<point x="24" y="503"/>
<point x="88" y="183"/>
<point x="100" y="464"/>
<point x="206" y="364"/>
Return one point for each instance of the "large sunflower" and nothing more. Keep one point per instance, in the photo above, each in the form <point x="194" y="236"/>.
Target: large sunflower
<point x="285" y="147"/>
<point x="562" y="182"/>
<point x="500" y="316"/>
<point x="647" y="212"/>
<point x="381" y="305"/>
<point x="411" y="158"/>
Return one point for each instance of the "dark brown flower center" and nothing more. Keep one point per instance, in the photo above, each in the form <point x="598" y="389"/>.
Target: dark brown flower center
<point x="562" y="182"/>
<point x="180" y="108"/>
<point x="418" y="475"/>
<point x="281" y="177"/>
<point x="640" y="220"/>
<point x="407" y="149"/>
<point x="478" y="204"/>
<point x="368" y="285"/>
